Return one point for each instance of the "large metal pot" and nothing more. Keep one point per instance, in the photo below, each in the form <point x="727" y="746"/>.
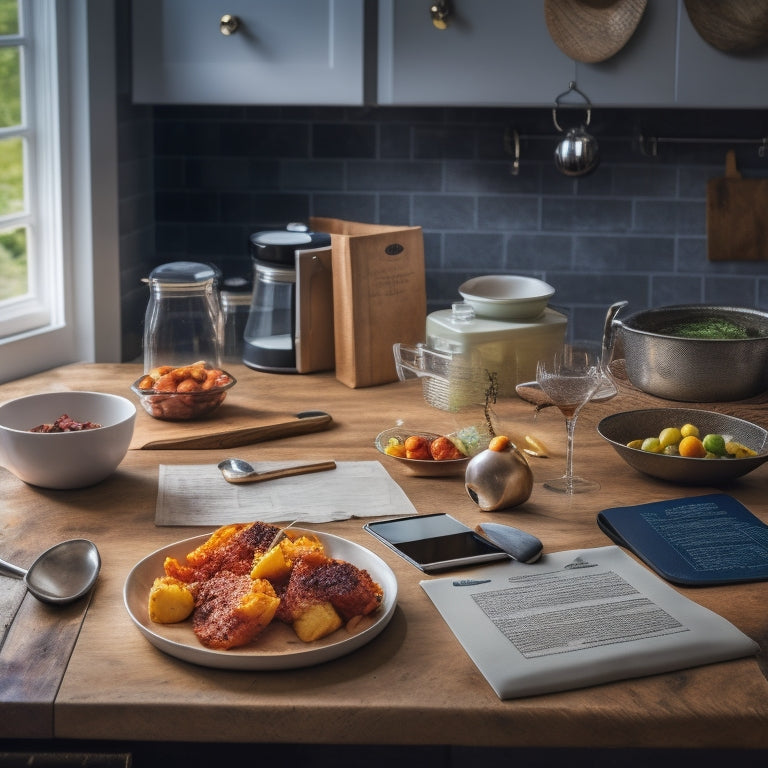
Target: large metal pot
<point x="695" y="370"/>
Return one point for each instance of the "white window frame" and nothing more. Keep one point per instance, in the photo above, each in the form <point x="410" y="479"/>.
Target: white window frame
<point x="79" y="198"/>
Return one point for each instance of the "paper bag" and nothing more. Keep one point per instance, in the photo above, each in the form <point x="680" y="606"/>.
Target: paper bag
<point x="379" y="296"/>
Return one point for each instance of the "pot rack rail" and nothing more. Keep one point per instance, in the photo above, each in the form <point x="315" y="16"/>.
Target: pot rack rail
<point x="649" y="145"/>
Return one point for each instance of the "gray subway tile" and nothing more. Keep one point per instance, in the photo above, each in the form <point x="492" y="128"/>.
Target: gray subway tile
<point x="388" y="176"/>
<point x="508" y="212"/>
<point x="449" y="212"/>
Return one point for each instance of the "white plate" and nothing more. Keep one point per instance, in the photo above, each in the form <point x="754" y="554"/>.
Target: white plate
<point x="277" y="647"/>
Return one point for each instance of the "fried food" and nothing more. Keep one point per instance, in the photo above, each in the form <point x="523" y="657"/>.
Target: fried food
<point x="236" y="582"/>
<point x="316" y="622"/>
<point x="170" y="601"/>
<point x="317" y="579"/>
<point x="232" y="610"/>
<point x="276" y="564"/>
<point x="230" y="548"/>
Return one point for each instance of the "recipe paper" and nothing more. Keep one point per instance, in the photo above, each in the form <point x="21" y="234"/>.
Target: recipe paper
<point x="198" y="494"/>
<point x="578" y="618"/>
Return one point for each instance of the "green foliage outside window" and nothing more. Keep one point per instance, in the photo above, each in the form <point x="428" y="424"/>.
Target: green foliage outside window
<point x="13" y="240"/>
<point x="9" y="17"/>
<point x="13" y="263"/>
<point x="10" y="86"/>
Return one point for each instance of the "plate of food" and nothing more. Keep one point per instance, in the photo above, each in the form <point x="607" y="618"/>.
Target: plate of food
<point x="158" y="585"/>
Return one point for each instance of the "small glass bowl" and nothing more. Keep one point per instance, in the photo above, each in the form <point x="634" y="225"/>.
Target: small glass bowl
<point x="182" y="406"/>
<point x="419" y="467"/>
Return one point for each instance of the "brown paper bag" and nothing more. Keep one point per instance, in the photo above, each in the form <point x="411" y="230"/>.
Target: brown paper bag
<point x="379" y="296"/>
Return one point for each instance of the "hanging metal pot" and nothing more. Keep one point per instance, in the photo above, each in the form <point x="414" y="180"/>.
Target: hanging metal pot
<point x="577" y="153"/>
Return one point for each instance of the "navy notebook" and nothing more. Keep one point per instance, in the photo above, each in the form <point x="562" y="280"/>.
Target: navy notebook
<point x="712" y="539"/>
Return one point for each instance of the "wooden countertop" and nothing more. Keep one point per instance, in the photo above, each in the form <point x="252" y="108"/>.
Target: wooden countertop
<point x="414" y="684"/>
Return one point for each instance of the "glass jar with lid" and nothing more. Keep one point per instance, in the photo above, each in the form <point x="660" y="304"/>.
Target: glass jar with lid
<point x="183" y="321"/>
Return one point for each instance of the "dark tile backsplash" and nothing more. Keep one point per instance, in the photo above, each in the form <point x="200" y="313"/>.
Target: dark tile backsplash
<point x="635" y="229"/>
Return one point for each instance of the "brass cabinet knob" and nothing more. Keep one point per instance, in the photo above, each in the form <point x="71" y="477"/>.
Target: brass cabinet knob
<point x="440" y="12"/>
<point x="228" y="24"/>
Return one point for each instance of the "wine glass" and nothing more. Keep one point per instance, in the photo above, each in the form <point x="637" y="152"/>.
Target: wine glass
<point x="570" y="378"/>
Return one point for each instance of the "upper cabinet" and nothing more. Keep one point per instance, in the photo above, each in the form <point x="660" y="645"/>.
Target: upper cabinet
<point x="491" y="53"/>
<point x="388" y="52"/>
<point x="501" y="53"/>
<point x="249" y="52"/>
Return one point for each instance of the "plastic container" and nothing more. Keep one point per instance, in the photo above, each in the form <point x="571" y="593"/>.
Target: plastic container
<point x="463" y="352"/>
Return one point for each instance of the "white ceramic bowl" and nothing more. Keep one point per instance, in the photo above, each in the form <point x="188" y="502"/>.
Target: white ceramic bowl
<point x="64" y="460"/>
<point x="507" y="297"/>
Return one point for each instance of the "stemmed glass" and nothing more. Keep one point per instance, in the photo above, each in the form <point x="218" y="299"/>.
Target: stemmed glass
<point x="570" y="378"/>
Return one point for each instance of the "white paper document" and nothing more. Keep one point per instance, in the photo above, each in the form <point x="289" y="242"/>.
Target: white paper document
<point x="198" y="494"/>
<point x="578" y="618"/>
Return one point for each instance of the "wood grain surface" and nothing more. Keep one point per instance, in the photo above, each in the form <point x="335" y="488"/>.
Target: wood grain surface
<point x="737" y="216"/>
<point x="413" y="684"/>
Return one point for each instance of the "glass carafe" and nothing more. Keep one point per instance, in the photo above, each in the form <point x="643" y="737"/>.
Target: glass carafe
<point x="183" y="322"/>
<point x="269" y="333"/>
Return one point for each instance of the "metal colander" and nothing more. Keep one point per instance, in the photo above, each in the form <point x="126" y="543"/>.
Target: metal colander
<point x="695" y="370"/>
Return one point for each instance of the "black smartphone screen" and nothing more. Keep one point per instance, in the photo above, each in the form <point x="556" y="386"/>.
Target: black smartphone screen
<point x="435" y="542"/>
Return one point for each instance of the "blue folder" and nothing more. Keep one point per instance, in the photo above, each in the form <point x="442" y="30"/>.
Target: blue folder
<point x="698" y="540"/>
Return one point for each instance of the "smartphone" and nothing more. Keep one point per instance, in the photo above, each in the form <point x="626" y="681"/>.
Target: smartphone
<point x="435" y="542"/>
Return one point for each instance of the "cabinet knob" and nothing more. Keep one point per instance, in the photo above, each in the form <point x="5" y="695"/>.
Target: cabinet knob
<point x="440" y="11"/>
<point x="228" y="24"/>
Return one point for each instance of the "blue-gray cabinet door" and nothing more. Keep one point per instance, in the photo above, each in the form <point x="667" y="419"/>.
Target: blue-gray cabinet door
<point x="493" y="53"/>
<point x="287" y="52"/>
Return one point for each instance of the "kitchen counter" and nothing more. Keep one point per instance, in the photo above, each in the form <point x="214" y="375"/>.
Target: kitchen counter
<point x="413" y="684"/>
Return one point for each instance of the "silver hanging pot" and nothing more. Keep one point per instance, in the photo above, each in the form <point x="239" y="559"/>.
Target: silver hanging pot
<point x="577" y="153"/>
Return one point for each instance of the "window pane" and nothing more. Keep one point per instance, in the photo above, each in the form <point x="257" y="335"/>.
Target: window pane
<point x="13" y="263"/>
<point x="11" y="176"/>
<point x="10" y="87"/>
<point x="9" y="17"/>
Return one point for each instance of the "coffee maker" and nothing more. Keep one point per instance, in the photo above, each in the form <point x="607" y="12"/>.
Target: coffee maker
<point x="290" y="322"/>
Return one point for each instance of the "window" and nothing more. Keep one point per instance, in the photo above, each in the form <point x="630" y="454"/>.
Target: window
<point x="26" y="144"/>
<point x="58" y="184"/>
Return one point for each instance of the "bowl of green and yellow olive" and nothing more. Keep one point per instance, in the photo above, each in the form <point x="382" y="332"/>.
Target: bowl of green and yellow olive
<point x="686" y="445"/>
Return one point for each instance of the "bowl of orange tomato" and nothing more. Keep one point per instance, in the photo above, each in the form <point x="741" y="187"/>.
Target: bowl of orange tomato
<point x="429" y="454"/>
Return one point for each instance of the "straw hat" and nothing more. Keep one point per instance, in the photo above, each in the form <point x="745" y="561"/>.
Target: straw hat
<point x="733" y="27"/>
<point x="592" y="30"/>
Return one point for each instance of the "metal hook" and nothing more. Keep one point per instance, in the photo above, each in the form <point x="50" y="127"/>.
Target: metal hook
<point x="571" y="89"/>
<point x="512" y="147"/>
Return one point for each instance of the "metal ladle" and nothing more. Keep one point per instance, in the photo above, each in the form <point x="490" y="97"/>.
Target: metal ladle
<point x="240" y="471"/>
<point x="62" y="574"/>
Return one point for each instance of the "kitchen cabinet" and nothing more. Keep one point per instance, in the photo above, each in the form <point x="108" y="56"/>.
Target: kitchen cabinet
<point x="492" y="53"/>
<point x="291" y="52"/>
<point x="500" y="53"/>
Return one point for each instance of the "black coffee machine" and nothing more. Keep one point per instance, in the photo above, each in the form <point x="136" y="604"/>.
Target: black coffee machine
<point x="290" y="323"/>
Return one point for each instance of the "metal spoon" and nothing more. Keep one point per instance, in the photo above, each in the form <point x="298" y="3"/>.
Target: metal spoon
<point x="62" y="574"/>
<point x="240" y="471"/>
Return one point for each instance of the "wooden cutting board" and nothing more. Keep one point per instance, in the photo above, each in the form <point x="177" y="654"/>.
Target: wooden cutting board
<point x="231" y="429"/>
<point x="737" y="216"/>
